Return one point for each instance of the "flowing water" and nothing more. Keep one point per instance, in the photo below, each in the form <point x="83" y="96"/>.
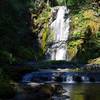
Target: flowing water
<point x="75" y="91"/>
<point x="82" y="91"/>
<point x="60" y="26"/>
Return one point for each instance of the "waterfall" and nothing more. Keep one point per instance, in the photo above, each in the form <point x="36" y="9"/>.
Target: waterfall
<point x="60" y="26"/>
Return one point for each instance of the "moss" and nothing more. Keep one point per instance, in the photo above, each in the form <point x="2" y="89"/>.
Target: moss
<point x="41" y="23"/>
<point x="73" y="48"/>
<point x="75" y="43"/>
<point x="44" y="39"/>
<point x="72" y="53"/>
<point x="77" y="34"/>
<point x="98" y="34"/>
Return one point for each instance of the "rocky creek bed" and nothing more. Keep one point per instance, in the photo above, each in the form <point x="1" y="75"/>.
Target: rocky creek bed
<point x="36" y="91"/>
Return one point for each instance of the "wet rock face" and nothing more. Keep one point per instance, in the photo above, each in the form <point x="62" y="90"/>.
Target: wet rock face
<point x="59" y="79"/>
<point x="77" y="79"/>
<point x="92" y="79"/>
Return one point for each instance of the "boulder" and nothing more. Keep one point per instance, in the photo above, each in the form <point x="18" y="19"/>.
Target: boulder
<point x="40" y="92"/>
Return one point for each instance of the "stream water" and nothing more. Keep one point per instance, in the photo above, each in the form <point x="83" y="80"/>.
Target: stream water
<point x="82" y="91"/>
<point x="76" y="91"/>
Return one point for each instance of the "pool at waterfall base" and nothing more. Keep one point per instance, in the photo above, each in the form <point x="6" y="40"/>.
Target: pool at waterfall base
<point x="77" y="85"/>
<point x="82" y="91"/>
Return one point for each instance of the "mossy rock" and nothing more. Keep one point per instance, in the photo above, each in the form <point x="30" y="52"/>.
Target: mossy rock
<point x="72" y="53"/>
<point x="73" y="48"/>
<point x="41" y="92"/>
<point x="94" y="61"/>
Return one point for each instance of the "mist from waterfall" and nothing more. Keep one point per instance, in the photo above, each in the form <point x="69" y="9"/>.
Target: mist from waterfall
<point x="60" y="26"/>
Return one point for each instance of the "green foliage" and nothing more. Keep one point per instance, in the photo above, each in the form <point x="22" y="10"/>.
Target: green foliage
<point x="44" y="40"/>
<point x="71" y="2"/>
<point x="6" y="57"/>
<point x="61" y="2"/>
<point x="77" y="42"/>
<point x="25" y="53"/>
<point x="42" y="26"/>
<point x="68" y="2"/>
<point x="6" y="89"/>
<point x="22" y="21"/>
<point x="77" y="34"/>
<point x="85" y="27"/>
<point x="16" y="32"/>
<point x="98" y="34"/>
<point x="16" y="73"/>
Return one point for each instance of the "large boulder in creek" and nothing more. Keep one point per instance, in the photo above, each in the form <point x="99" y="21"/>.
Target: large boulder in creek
<point x="42" y="92"/>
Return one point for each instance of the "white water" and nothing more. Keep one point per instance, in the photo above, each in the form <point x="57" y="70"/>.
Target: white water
<point x="60" y="26"/>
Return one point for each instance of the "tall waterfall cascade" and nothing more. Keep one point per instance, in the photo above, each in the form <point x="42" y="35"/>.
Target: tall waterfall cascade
<point x="60" y="26"/>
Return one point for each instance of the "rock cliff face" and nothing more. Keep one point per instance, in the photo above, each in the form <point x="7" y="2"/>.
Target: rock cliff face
<point x="84" y="36"/>
<point x="25" y="30"/>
